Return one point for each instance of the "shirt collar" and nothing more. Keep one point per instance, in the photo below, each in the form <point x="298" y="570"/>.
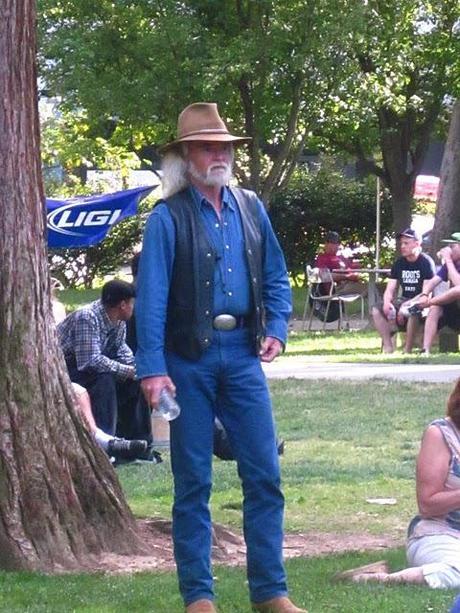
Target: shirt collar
<point x="200" y="200"/>
<point x="102" y="314"/>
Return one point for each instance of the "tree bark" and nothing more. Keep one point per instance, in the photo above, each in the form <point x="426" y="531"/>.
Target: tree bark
<point x="447" y="216"/>
<point x="60" y="500"/>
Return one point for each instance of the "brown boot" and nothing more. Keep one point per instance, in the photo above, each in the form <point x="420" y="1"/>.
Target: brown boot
<point x="201" y="606"/>
<point x="280" y="604"/>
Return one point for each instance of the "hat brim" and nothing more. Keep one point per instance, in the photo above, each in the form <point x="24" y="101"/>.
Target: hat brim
<point x="209" y="137"/>
<point x="414" y="238"/>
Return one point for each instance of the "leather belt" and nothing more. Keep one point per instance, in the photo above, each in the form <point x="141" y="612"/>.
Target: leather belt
<point x="229" y="322"/>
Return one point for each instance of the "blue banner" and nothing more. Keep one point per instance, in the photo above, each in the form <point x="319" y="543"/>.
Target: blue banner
<point x="85" y="221"/>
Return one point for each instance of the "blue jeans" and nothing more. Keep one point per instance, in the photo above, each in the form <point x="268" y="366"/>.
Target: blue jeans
<point x="117" y="405"/>
<point x="228" y="382"/>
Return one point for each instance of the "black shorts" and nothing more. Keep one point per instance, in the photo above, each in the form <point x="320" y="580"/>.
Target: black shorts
<point x="450" y="316"/>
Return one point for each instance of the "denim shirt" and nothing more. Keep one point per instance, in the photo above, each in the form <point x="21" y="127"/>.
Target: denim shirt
<point x="231" y="289"/>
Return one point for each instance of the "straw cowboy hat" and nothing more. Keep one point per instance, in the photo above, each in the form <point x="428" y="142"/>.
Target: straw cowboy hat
<point x="201" y="122"/>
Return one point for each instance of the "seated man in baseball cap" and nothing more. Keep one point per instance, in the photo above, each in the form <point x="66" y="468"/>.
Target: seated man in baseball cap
<point x="411" y="272"/>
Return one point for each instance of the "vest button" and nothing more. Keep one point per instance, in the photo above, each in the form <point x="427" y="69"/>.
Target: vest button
<point x="208" y="283"/>
<point x="206" y="313"/>
<point x="206" y="341"/>
<point x="254" y="280"/>
<point x="208" y="255"/>
<point x="250" y="251"/>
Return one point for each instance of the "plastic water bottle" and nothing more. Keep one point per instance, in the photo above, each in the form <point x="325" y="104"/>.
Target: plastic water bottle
<point x="168" y="407"/>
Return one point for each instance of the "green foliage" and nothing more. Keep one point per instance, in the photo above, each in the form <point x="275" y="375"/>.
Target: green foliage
<point x="371" y="79"/>
<point x="398" y="67"/>
<point x="136" y="64"/>
<point x="315" y="203"/>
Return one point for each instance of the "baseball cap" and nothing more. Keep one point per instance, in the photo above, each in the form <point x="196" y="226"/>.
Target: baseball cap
<point x="454" y="238"/>
<point x="409" y="233"/>
<point x="332" y="237"/>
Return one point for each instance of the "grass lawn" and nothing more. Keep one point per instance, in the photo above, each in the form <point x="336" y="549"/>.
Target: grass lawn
<point x="309" y="580"/>
<point x="355" y="346"/>
<point x="345" y="442"/>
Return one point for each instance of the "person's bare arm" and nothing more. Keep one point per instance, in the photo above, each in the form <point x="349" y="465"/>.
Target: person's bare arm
<point x="424" y="299"/>
<point x="446" y="255"/>
<point x="389" y="295"/>
<point x="433" y="498"/>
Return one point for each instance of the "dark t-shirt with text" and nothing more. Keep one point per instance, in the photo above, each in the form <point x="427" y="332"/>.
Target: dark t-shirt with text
<point x="411" y="275"/>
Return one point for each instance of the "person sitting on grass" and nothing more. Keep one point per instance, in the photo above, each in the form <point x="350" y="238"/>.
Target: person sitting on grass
<point x="433" y="543"/>
<point x="412" y="271"/>
<point x="93" y="340"/>
<point x="118" y="448"/>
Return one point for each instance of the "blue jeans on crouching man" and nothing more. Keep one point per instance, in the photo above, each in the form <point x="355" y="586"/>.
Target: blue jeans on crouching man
<point x="117" y="405"/>
<point x="227" y="381"/>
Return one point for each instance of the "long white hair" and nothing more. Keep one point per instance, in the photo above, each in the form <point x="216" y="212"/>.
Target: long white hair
<point x="177" y="171"/>
<point x="174" y="178"/>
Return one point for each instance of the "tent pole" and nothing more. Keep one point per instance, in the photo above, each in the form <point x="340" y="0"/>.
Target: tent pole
<point x="377" y="226"/>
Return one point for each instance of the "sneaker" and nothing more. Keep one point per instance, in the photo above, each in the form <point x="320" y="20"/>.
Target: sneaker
<point x="415" y="309"/>
<point x="124" y="448"/>
<point x="148" y="455"/>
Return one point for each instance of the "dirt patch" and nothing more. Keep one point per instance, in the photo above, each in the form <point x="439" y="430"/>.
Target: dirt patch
<point x="229" y="549"/>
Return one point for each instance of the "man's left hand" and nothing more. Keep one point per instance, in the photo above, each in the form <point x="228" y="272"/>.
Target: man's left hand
<point x="271" y="348"/>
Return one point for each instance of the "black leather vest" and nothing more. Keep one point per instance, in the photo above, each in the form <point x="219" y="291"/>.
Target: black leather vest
<point x="191" y="295"/>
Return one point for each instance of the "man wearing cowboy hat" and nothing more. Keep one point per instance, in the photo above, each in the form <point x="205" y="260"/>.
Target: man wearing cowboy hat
<point x="213" y="302"/>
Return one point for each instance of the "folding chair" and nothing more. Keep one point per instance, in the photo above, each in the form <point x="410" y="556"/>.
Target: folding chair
<point x="324" y="301"/>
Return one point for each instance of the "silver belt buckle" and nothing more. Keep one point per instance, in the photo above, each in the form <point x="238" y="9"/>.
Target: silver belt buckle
<point x="224" y="322"/>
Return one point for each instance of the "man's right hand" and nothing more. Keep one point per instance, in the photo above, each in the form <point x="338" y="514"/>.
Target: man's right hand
<point x="152" y="386"/>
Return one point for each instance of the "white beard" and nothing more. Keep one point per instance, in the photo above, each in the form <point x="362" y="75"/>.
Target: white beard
<point x="217" y="175"/>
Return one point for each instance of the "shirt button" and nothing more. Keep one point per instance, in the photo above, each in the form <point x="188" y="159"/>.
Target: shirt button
<point x="208" y="283"/>
<point x="208" y="255"/>
<point x="225" y="223"/>
<point x="249" y="251"/>
<point x="230" y="293"/>
<point x="254" y="280"/>
<point x="206" y="312"/>
<point x="206" y="341"/>
<point x="227" y="246"/>
<point x="217" y="225"/>
<point x="229" y="270"/>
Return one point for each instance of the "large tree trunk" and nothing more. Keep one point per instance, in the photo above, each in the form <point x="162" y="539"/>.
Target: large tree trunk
<point x="401" y="205"/>
<point x="447" y="217"/>
<point x="60" y="499"/>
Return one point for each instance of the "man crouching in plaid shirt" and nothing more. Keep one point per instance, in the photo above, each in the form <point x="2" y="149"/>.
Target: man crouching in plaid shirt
<point x="93" y="340"/>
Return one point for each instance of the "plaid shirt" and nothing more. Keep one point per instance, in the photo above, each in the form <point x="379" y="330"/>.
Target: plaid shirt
<point x="96" y="343"/>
